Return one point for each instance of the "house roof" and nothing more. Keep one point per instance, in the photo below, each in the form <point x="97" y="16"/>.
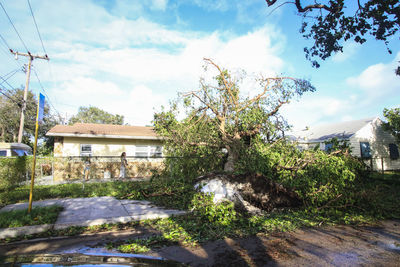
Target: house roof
<point x="93" y="130"/>
<point x="341" y="130"/>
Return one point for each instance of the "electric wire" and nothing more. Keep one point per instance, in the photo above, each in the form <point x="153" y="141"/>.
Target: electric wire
<point x="7" y="52"/>
<point x="5" y="81"/>
<point x="22" y="41"/>
<point x="11" y="98"/>
<point x="37" y="28"/>
<point x="11" y="88"/>
<point x="9" y="75"/>
<point x="4" y="41"/>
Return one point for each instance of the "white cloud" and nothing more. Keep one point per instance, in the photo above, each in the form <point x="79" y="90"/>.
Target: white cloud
<point x="377" y="81"/>
<point x="374" y="86"/>
<point x="130" y="65"/>
<point x="159" y="4"/>
<point x="140" y="105"/>
<point x="349" y="50"/>
<point x="313" y="109"/>
<point x="221" y="5"/>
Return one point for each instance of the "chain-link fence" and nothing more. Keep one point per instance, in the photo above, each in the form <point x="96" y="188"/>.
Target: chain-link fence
<point x="382" y="164"/>
<point x="104" y="167"/>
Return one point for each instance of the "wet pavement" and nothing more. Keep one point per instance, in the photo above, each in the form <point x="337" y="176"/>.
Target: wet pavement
<point x="321" y="246"/>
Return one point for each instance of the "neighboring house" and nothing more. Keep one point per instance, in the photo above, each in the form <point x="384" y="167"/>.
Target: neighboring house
<point x="89" y="139"/>
<point x="366" y="137"/>
<point x="14" y="149"/>
<point x="104" y="143"/>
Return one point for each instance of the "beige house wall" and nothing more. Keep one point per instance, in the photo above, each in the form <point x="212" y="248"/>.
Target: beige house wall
<point x="70" y="146"/>
<point x="66" y="168"/>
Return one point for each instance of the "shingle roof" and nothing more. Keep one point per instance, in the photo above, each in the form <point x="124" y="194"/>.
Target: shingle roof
<point x="341" y="130"/>
<point x="103" y="130"/>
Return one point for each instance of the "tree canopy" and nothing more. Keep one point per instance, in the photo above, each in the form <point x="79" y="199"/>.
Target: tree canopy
<point x="10" y="112"/>
<point x="330" y="23"/>
<point x="95" y="115"/>
<point x="393" y="122"/>
<point x="219" y="116"/>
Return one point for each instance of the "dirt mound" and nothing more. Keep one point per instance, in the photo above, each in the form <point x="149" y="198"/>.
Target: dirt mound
<point x="258" y="191"/>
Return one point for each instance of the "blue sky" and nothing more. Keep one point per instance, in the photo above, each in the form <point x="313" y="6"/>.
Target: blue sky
<point x="131" y="57"/>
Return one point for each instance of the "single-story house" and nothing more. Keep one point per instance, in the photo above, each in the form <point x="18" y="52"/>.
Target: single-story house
<point x="106" y="142"/>
<point x="366" y="137"/>
<point x="89" y="139"/>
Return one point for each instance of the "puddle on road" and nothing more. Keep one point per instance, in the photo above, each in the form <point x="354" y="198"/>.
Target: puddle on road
<point x="101" y="251"/>
<point x="394" y="246"/>
<point x="345" y="259"/>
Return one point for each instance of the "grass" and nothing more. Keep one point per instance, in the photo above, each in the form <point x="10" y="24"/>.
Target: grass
<point x="374" y="199"/>
<point x="38" y="216"/>
<point x="176" y="195"/>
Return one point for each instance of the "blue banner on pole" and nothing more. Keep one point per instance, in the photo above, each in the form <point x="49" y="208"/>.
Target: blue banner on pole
<point x="41" y="108"/>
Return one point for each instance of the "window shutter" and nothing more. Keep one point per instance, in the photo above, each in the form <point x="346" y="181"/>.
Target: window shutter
<point x="394" y="151"/>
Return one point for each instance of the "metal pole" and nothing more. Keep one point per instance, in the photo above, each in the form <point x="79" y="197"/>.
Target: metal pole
<point x="34" y="158"/>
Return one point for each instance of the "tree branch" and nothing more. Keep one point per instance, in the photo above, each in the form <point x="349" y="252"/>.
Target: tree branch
<point x="276" y="109"/>
<point x="227" y="87"/>
<point x="202" y="101"/>
<point x="310" y="7"/>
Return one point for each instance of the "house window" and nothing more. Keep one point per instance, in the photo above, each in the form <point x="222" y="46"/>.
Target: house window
<point x="365" y="150"/>
<point x="3" y="153"/>
<point x="142" y="151"/>
<point x="328" y="147"/>
<point x="394" y="151"/>
<point x="156" y="151"/>
<point x="86" y="150"/>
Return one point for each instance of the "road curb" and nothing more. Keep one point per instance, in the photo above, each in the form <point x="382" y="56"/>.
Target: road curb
<point x="24" y="230"/>
<point x="123" y="219"/>
<point x="36" y="229"/>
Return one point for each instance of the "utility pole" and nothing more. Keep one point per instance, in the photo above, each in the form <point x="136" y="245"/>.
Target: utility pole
<point x="28" y="75"/>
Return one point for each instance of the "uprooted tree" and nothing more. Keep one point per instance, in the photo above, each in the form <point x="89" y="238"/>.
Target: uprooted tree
<point x="219" y="117"/>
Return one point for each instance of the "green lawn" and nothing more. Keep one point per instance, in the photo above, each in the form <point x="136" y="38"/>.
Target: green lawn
<point x="38" y="216"/>
<point x="376" y="197"/>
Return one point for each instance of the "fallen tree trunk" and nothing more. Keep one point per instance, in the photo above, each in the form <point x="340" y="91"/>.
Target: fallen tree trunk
<point x="251" y="192"/>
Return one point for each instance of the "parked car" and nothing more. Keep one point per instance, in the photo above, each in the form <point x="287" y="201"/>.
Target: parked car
<point x="14" y="150"/>
<point x="92" y="260"/>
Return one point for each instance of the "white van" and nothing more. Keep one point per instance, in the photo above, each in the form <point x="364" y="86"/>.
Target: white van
<point x="14" y="150"/>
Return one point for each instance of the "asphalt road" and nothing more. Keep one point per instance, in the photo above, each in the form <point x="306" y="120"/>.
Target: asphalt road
<point x="323" y="246"/>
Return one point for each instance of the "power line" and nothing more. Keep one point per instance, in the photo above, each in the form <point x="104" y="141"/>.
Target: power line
<point x="4" y="41"/>
<point x="4" y="78"/>
<point x="12" y="88"/>
<point x="10" y="74"/>
<point x="37" y="28"/>
<point x="11" y="98"/>
<point x="5" y="81"/>
<point x="7" y="51"/>
<point x="44" y="50"/>
<point x="27" y="50"/>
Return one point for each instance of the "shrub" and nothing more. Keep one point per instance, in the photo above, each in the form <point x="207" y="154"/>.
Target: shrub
<point x="221" y="213"/>
<point x="12" y="171"/>
<point x="316" y="176"/>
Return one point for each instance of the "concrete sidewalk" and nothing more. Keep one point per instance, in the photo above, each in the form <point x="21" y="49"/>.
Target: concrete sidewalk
<point x="88" y="212"/>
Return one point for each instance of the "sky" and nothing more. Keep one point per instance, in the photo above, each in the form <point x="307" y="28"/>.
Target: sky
<point x="131" y="57"/>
